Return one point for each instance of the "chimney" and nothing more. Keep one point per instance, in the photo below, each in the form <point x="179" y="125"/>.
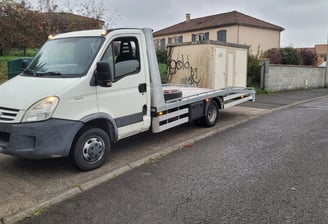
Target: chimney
<point x="187" y="17"/>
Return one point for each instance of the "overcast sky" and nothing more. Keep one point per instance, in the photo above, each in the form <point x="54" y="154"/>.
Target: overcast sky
<point x="305" y="21"/>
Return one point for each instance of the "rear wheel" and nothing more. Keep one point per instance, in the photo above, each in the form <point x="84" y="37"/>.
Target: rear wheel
<point x="91" y="148"/>
<point x="211" y="115"/>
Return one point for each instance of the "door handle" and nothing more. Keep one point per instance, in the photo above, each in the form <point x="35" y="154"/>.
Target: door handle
<point x="142" y="88"/>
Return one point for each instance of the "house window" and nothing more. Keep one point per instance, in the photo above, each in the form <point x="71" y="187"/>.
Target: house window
<point x="200" y="37"/>
<point x="178" y="39"/>
<point x="175" y="40"/>
<point x="222" y="35"/>
<point x="162" y="43"/>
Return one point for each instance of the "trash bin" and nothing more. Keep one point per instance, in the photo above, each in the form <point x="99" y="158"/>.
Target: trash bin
<point x="16" y="66"/>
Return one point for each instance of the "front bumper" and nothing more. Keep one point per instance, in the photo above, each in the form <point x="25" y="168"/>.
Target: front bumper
<point x="39" y="140"/>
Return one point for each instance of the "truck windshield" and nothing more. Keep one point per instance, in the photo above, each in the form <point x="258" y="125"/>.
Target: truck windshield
<point x="67" y="57"/>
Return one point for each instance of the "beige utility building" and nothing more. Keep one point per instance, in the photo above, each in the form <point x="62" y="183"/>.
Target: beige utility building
<point x="231" y="27"/>
<point x="208" y="65"/>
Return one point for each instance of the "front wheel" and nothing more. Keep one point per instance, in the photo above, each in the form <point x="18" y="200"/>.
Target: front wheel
<point x="91" y="148"/>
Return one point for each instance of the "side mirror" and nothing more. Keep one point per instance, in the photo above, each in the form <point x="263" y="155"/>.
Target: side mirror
<point x="103" y="75"/>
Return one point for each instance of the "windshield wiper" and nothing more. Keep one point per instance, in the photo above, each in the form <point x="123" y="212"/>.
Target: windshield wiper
<point x="42" y="74"/>
<point x="50" y="74"/>
<point x="29" y="72"/>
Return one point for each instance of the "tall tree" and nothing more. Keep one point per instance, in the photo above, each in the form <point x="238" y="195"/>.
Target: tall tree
<point x="23" y="26"/>
<point x="95" y="9"/>
<point x="6" y="11"/>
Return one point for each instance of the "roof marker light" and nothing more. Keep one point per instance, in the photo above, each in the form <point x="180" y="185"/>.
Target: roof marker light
<point x="104" y="33"/>
<point x="50" y="37"/>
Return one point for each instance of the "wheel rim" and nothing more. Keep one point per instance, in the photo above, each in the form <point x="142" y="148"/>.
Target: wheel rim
<point x="212" y="113"/>
<point x="93" y="149"/>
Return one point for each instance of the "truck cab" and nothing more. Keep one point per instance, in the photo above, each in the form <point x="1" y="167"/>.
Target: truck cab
<point x="81" y="92"/>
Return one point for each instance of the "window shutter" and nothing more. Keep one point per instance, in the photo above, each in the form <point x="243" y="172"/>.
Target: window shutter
<point x="207" y="36"/>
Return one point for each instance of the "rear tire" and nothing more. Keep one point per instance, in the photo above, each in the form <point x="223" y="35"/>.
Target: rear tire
<point x="91" y="148"/>
<point x="211" y="116"/>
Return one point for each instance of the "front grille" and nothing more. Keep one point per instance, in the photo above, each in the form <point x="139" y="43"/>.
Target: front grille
<point x="7" y="114"/>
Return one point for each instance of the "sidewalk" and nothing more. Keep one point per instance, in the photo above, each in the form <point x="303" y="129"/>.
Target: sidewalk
<point x="28" y="185"/>
<point x="279" y="99"/>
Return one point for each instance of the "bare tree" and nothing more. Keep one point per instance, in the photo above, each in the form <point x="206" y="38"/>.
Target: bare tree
<point x="47" y="6"/>
<point x="95" y="9"/>
<point x="92" y="9"/>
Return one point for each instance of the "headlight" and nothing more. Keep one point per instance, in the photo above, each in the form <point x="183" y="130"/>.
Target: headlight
<point x="41" y="110"/>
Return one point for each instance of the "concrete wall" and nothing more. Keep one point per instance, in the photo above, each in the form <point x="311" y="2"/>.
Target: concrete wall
<point x="289" y="77"/>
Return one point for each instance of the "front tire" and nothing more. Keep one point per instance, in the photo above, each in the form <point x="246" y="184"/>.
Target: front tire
<point x="91" y="148"/>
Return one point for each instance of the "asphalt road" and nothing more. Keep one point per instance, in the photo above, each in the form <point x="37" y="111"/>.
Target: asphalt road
<point x="272" y="169"/>
<point x="30" y="185"/>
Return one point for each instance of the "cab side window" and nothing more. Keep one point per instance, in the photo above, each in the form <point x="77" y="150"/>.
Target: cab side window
<point x="123" y="57"/>
<point x="109" y="57"/>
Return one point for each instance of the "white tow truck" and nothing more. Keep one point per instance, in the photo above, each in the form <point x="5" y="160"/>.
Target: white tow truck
<point x="85" y="90"/>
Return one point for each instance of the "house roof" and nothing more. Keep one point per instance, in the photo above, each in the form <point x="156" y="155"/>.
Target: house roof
<point x="216" y="21"/>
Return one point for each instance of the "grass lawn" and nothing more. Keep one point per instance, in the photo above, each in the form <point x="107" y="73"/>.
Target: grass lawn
<point x="3" y="69"/>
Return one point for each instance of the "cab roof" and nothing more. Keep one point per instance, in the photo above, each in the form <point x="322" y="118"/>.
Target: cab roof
<point x="83" y="33"/>
<point x="89" y="33"/>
